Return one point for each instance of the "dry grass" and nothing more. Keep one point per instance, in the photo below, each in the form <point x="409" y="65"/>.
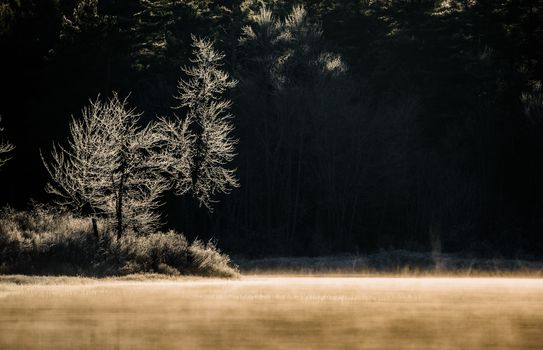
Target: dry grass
<point x="395" y="263"/>
<point x="400" y="272"/>
<point x="275" y="312"/>
<point x="44" y="241"/>
<point x="74" y="280"/>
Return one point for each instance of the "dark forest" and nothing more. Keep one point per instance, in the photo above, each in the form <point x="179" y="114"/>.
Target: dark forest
<point x="361" y="125"/>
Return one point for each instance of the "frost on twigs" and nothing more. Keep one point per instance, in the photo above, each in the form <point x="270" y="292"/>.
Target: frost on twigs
<point x="5" y="149"/>
<point x="206" y="130"/>
<point x="110" y="167"/>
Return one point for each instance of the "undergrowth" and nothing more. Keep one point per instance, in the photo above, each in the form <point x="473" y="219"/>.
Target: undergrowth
<point x="52" y="242"/>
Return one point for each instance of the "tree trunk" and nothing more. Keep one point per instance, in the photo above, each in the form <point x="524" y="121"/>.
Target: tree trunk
<point x="95" y="228"/>
<point x="119" y="208"/>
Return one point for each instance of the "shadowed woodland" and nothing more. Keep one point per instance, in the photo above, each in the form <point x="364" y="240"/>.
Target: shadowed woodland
<point x="360" y="125"/>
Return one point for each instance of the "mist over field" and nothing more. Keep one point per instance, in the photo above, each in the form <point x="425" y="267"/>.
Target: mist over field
<point x="275" y="313"/>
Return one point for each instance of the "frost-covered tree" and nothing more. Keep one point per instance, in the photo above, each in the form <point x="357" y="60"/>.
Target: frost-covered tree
<point x="202" y="142"/>
<point x="111" y="167"/>
<point x="5" y="148"/>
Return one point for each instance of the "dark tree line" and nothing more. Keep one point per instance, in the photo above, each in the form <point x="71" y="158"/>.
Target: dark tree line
<point x="362" y="125"/>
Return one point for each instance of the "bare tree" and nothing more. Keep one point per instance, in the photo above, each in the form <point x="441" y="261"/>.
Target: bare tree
<point x="206" y="130"/>
<point x="5" y="148"/>
<point x="111" y="167"/>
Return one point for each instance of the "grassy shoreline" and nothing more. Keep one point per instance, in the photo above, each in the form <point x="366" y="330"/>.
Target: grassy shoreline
<point x="393" y="263"/>
<point x="17" y="279"/>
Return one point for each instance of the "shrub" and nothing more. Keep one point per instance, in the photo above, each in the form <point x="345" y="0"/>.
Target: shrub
<point x="44" y="241"/>
<point x="209" y="260"/>
<point x="48" y="241"/>
<point x="148" y="253"/>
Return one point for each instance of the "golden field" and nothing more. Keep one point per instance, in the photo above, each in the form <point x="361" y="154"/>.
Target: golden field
<point x="272" y="312"/>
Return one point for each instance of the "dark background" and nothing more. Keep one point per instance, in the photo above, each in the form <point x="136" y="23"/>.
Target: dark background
<point x="424" y="142"/>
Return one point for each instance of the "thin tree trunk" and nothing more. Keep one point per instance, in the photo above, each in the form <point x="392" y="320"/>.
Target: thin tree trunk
<point x="298" y="183"/>
<point x="95" y="228"/>
<point x="119" y="208"/>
